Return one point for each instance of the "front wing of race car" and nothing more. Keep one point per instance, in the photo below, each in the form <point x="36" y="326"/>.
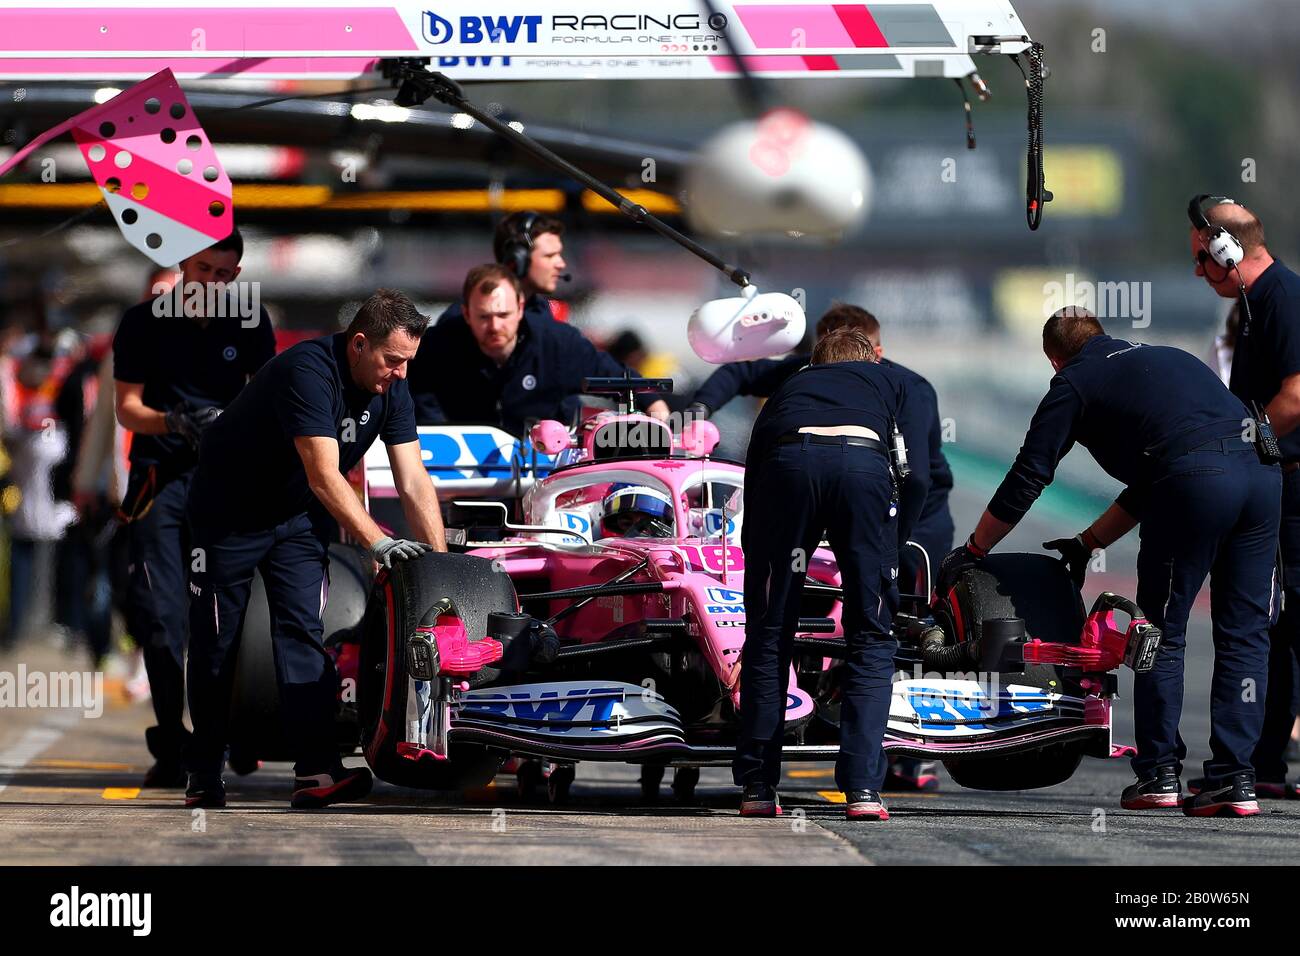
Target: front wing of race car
<point x="479" y="673"/>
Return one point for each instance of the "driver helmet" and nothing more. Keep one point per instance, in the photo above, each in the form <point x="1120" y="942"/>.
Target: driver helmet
<point x="636" y="511"/>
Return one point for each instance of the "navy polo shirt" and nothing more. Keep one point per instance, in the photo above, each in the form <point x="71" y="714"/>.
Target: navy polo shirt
<point x="180" y="360"/>
<point x="250" y="476"/>
<point x="452" y="380"/>
<point x="870" y="394"/>
<point x="762" y="377"/>
<point x="759" y="377"/>
<point x="1268" y="349"/>
<point x="1132" y="406"/>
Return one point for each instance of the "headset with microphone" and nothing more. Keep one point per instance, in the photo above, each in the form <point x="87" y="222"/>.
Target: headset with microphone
<point x="1223" y="248"/>
<point x="1220" y="245"/>
<point x="517" y="251"/>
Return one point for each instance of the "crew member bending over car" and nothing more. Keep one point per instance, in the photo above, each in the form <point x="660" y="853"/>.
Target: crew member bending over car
<point x="1160" y="421"/>
<point x="174" y="369"/>
<point x="920" y="419"/>
<point x="818" y="464"/>
<point x="269" y="494"/>
<point x="762" y="377"/>
<point x="499" y="364"/>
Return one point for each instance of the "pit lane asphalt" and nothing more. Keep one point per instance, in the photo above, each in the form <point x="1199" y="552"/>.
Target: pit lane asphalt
<point x="69" y="794"/>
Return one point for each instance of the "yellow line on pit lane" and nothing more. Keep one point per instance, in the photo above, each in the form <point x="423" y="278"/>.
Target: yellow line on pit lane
<point x="804" y="774"/>
<point x="78" y="765"/>
<point x="120" y="793"/>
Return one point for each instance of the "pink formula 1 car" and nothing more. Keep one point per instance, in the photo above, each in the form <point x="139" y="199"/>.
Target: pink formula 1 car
<point x="608" y="624"/>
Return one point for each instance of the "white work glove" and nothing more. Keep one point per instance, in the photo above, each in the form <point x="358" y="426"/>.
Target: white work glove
<point x="387" y="550"/>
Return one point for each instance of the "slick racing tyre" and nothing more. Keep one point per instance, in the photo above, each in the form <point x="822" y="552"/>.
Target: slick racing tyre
<point x="256" y="726"/>
<point x="1033" y="587"/>
<point x="398" y="601"/>
<point x="1037" y="589"/>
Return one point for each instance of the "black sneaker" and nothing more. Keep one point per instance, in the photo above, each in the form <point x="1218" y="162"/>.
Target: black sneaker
<point x="1277" y="790"/>
<point x="864" y="805"/>
<point x="1234" y="797"/>
<point x="759" y="800"/>
<point x="338" y="786"/>
<point x="1158" y="790"/>
<point x="164" y="775"/>
<point x="1264" y="789"/>
<point x="205" y="790"/>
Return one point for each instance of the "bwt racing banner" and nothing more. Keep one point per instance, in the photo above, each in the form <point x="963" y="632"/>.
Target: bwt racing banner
<point x="324" y="29"/>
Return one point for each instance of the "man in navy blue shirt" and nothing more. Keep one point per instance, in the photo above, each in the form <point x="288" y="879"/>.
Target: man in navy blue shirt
<point x="1161" y="422"/>
<point x="933" y="529"/>
<point x="1266" y="372"/>
<point x="176" y="364"/>
<point x="269" y="494"/>
<point x="495" y="363"/>
<point x="817" y="464"/>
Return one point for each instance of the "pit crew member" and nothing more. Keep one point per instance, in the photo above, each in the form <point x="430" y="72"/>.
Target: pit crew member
<point x="934" y="528"/>
<point x="269" y="494"/>
<point x="1265" y="370"/>
<point x="531" y="245"/>
<point x="497" y="363"/>
<point x="1160" y="421"/>
<point x="817" y="465"/>
<point x="174" y="369"/>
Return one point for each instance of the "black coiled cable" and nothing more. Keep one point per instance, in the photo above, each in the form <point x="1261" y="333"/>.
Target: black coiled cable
<point x="1036" y="193"/>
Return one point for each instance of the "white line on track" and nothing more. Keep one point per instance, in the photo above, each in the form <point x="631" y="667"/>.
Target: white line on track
<point x="31" y="745"/>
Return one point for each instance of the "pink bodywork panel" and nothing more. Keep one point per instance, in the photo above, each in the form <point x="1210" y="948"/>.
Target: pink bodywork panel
<point x="692" y="570"/>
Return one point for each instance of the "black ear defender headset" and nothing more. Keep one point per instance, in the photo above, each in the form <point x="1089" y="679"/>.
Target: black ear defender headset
<point x="1220" y="245"/>
<point x="517" y="251"/>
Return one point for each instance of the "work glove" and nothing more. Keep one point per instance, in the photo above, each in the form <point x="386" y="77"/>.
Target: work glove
<point x="696" y="410"/>
<point x="387" y="550"/>
<point x="1075" y="555"/>
<point x="190" y="423"/>
<point x="953" y="564"/>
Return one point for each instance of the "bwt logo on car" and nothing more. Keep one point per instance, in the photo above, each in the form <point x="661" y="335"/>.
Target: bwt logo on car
<point x="481" y="29"/>
<point x="549" y="707"/>
<point x="726" y="601"/>
<point x="943" y="706"/>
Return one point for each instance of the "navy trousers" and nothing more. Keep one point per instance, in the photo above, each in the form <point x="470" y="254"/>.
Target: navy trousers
<point x="1212" y="512"/>
<point x="293" y="558"/>
<point x="1284" y="652"/>
<point x="157" y="608"/>
<point x="802" y="491"/>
